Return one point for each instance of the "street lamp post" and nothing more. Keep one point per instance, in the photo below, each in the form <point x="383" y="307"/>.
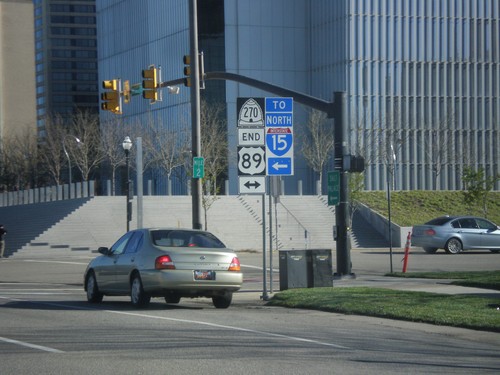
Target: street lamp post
<point x="127" y="145"/>
<point x="390" y="173"/>
<point x="78" y="141"/>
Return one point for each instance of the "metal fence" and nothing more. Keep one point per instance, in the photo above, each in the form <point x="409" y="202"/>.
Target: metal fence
<point x="48" y="194"/>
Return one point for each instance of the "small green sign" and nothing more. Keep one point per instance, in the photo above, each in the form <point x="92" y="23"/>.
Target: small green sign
<point x="198" y="167"/>
<point x="334" y="188"/>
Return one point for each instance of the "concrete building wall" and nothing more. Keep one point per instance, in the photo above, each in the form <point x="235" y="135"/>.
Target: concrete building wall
<point x="17" y="68"/>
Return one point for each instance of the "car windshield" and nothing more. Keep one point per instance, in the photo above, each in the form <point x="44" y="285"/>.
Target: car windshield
<point x="185" y="238"/>
<point x="439" y="221"/>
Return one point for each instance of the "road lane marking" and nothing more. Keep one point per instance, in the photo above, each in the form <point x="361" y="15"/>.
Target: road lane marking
<point x="32" y="346"/>
<point x="53" y="261"/>
<point x="215" y="325"/>
<point x="199" y="322"/>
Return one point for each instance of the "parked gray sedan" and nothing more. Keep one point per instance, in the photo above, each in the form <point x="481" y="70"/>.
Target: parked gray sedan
<point x="457" y="233"/>
<point x="164" y="262"/>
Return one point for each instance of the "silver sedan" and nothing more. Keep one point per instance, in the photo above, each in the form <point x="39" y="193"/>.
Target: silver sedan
<point x="164" y="262"/>
<point x="457" y="233"/>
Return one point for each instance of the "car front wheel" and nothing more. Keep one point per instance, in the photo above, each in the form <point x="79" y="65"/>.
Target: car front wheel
<point x="222" y="302"/>
<point x="138" y="297"/>
<point x="453" y="246"/>
<point x="93" y="294"/>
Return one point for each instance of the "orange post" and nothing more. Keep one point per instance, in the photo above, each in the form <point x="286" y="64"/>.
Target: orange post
<point x="407" y="252"/>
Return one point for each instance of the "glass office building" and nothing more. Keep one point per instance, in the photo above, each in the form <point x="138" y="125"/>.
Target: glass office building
<point x="65" y="58"/>
<point x="421" y="76"/>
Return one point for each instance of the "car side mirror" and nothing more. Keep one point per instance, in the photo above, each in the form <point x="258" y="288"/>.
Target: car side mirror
<point x="104" y="251"/>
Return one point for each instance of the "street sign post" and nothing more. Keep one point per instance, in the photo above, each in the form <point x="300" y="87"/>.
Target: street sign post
<point x="198" y="167"/>
<point x="279" y="136"/>
<point x="334" y="188"/>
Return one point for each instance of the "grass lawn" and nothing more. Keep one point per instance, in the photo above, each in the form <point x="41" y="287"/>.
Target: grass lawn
<point x="409" y="208"/>
<point x="466" y="311"/>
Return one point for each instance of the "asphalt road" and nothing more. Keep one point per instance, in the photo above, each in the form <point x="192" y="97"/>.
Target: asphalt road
<point x="47" y="327"/>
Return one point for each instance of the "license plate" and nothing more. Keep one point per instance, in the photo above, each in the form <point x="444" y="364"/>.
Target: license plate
<point x="204" y="275"/>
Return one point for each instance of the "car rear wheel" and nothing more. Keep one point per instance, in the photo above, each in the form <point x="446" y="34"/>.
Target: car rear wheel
<point x="495" y="251"/>
<point x="93" y="294"/>
<point x="138" y="297"/>
<point x="430" y="250"/>
<point x="453" y="246"/>
<point x="222" y="302"/>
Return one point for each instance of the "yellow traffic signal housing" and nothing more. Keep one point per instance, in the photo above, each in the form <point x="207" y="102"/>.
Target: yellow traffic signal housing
<point x="112" y="99"/>
<point x="150" y="83"/>
<point x="126" y="91"/>
<point x="187" y="70"/>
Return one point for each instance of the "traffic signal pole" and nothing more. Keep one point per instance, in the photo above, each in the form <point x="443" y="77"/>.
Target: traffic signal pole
<point x="342" y="216"/>
<point x="196" y="191"/>
<point x="337" y="109"/>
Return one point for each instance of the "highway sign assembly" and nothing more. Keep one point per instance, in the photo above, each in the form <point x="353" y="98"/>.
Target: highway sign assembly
<point x="265" y="141"/>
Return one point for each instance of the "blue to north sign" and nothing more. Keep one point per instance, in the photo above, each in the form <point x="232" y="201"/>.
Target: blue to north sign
<point x="279" y="136"/>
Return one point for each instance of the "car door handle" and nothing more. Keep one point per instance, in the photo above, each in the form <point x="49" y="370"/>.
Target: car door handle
<point x="132" y="260"/>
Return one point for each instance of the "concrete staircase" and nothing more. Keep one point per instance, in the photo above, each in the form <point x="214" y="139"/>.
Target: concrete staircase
<point x="365" y="235"/>
<point x="306" y="222"/>
<point x="80" y="226"/>
<point x="25" y="222"/>
<point x="97" y="221"/>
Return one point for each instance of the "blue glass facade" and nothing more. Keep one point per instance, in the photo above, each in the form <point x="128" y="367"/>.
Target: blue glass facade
<point x="65" y="58"/>
<point x="422" y="76"/>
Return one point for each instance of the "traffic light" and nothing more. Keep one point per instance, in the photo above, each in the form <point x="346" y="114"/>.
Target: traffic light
<point x="150" y="84"/>
<point x="112" y="100"/>
<point x="354" y="164"/>
<point x="187" y="70"/>
<point x="126" y="91"/>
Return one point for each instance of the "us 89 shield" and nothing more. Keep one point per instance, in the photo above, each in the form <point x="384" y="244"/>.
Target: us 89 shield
<point x="251" y="161"/>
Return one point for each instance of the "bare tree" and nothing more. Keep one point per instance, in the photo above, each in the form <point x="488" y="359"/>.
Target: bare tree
<point x="440" y="150"/>
<point x="166" y="149"/>
<point x="52" y="155"/>
<point x="20" y="160"/>
<point x="112" y="135"/>
<point x="214" y="149"/>
<point x="317" y="142"/>
<point x="88" y="152"/>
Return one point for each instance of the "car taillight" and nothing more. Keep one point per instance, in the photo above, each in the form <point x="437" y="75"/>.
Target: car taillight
<point x="235" y="265"/>
<point x="164" y="262"/>
<point x="430" y="232"/>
